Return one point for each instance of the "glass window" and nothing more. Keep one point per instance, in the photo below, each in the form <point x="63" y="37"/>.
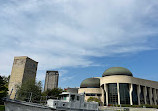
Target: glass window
<point x="65" y="96"/>
<point x="124" y="93"/>
<point x="104" y="97"/>
<point x="134" y="95"/>
<point x="112" y="93"/>
<point x="72" y="97"/>
<point x="153" y="96"/>
<point x="90" y="94"/>
<point x="142" y="101"/>
<point x="78" y="98"/>
<point x="147" y="96"/>
<point x="98" y="94"/>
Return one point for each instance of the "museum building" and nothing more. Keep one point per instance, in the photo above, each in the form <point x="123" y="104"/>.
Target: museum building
<point x="118" y="86"/>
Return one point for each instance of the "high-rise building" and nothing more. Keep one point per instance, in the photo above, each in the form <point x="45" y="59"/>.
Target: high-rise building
<point x="24" y="69"/>
<point x="51" y="80"/>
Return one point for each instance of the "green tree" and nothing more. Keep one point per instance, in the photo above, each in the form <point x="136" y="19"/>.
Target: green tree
<point x="6" y="80"/>
<point x="93" y="99"/>
<point x="53" y="93"/>
<point x="3" y="89"/>
<point x="29" y="89"/>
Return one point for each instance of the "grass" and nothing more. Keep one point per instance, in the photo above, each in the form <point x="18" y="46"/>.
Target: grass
<point x="2" y="108"/>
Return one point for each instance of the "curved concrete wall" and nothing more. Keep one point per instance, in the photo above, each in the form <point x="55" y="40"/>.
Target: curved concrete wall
<point x="128" y="79"/>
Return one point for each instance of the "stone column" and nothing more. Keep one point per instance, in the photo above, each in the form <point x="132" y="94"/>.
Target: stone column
<point x="138" y="93"/>
<point x="150" y="95"/>
<point x="130" y="94"/>
<point x="103" y="95"/>
<point x="118" y="93"/>
<point x="145" y="94"/>
<point x="155" y="97"/>
<point x="106" y="90"/>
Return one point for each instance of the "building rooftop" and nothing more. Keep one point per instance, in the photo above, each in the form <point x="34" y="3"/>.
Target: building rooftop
<point x="117" y="71"/>
<point x="90" y="83"/>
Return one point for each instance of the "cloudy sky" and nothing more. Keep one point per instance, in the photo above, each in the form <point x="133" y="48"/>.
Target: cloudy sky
<point x="80" y="38"/>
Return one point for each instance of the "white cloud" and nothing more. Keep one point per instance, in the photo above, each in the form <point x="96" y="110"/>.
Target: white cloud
<point x="59" y="33"/>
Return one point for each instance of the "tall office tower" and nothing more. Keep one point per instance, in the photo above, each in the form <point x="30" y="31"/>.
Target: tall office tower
<point x="51" y="80"/>
<point x="24" y="69"/>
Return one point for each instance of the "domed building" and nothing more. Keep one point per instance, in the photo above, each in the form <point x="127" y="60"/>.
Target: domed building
<point x="118" y="86"/>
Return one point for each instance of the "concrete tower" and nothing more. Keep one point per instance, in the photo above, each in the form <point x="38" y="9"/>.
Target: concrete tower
<point x="51" y="80"/>
<point x="24" y="68"/>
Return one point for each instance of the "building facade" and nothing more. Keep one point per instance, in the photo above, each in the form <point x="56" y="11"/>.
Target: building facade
<point x="23" y="69"/>
<point x="51" y="80"/>
<point x="118" y="86"/>
<point x="72" y="90"/>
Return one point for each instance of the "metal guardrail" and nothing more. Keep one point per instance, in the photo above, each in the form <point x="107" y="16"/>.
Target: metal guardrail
<point x="30" y="97"/>
<point x="113" y="109"/>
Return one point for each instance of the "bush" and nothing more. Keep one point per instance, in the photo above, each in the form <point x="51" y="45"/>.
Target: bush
<point x="3" y="89"/>
<point x="2" y="108"/>
<point x="93" y="99"/>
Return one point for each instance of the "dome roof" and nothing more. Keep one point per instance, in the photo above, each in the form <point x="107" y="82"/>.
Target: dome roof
<point x="90" y="83"/>
<point x="117" y="71"/>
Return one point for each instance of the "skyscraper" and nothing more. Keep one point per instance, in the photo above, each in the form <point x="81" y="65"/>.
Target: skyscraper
<point x="51" y="80"/>
<point x="24" y="68"/>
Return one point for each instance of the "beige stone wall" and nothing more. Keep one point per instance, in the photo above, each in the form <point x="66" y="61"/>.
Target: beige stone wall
<point x="90" y="90"/>
<point x="128" y="79"/>
<point x="23" y="69"/>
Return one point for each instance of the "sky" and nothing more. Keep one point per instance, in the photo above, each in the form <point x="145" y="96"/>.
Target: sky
<point x="80" y="38"/>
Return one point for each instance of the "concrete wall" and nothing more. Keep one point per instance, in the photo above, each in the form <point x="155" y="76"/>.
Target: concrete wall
<point x="23" y="69"/>
<point x="21" y="107"/>
<point x="51" y="80"/>
<point x="128" y="79"/>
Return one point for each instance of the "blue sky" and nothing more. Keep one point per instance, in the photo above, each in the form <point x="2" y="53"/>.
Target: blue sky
<point x="80" y="38"/>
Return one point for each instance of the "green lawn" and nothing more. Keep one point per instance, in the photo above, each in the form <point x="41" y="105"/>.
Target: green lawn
<point x="2" y="108"/>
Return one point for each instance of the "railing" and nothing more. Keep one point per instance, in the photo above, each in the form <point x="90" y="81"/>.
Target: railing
<point x="32" y="97"/>
<point x="113" y="109"/>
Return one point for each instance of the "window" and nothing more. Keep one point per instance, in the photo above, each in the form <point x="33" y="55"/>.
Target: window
<point x="72" y="97"/>
<point x="112" y="93"/>
<point x="134" y="95"/>
<point x="78" y="98"/>
<point x="65" y="96"/>
<point x="153" y="96"/>
<point x="147" y="96"/>
<point x="142" y="101"/>
<point x="124" y="93"/>
<point x="98" y="94"/>
<point x="90" y="94"/>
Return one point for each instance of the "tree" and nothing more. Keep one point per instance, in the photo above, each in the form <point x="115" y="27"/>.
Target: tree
<point x="6" y="80"/>
<point x="53" y="93"/>
<point x="3" y="89"/>
<point x="93" y="99"/>
<point x="29" y="89"/>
